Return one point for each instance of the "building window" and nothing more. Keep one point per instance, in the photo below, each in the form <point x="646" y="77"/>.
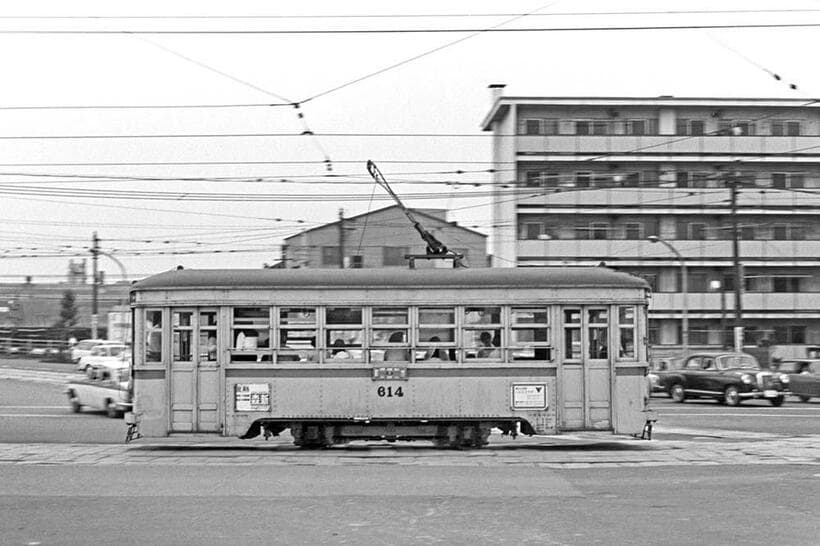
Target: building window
<point x="691" y="127"/>
<point x="533" y="179"/>
<point x="583" y="127"/>
<point x="636" y="127"/>
<point x="736" y="127"/>
<point x="394" y="255"/>
<point x="786" y="284"/>
<point x="780" y="232"/>
<point x="784" y="181"/>
<point x="532" y="230"/>
<point x="785" y="128"/>
<point x="598" y="230"/>
<point x="682" y="179"/>
<point x="583" y="180"/>
<point x="537" y="126"/>
<point x="633" y="230"/>
<point x="697" y="282"/>
<point x="790" y="334"/>
<point x="747" y="233"/>
<point x="697" y="231"/>
<point x="330" y="255"/>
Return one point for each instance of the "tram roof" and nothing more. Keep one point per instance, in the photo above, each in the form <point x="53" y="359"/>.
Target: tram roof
<point x="541" y="277"/>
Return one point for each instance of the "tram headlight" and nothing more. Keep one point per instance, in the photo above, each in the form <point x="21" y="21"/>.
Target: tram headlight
<point x="747" y="379"/>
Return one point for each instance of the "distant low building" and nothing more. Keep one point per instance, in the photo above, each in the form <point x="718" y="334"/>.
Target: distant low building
<point x="380" y="238"/>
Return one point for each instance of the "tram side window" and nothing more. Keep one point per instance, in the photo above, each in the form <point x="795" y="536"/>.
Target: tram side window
<point x="436" y="334"/>
<point x="598" y="333"/>
<point x="626" y="331"/>
<point x="153" y="335"/>
<point x="297" y="334"/>
<point x="572" y="334"/>
<point x="183" y="335"/>
<point x="251" y="333"/>
<point x="530" y="333"/>
<point x="482" y="332"/>
<point x="344" y="333"/>
<point x="207" y="335"/>
<point x="390" y="338"/>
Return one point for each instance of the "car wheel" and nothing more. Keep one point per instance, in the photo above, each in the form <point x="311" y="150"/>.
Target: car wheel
<point x="111" y="410"/>
<point x="731" y="396"/>
<point x="776" y="402"/>
<point x="803" y="397"/>
<point x="677" y="393"/>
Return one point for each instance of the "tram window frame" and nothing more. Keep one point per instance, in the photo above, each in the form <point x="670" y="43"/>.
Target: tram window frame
<point x="153" y="331"/>
<point x="424" y="347"/>
<point x="297" y="354"/>
<point x="594" y="328"/>
<point x="626" y="327"/>
<point x="381" y="349"/>
<point x="259" y="349"/>
<point x="182" y="335"/>
<point x="541" y="349"/>
<point x="208" y="351"/>
<point x="471" y="333"/>
<point x="573" y="348"/>
<point x="331" y="352"/>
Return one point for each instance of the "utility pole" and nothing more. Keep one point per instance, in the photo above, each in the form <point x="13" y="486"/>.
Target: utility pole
<point x="733" y="183"/>
<point x="341" y="238"/>
<point x="95" y="250"/>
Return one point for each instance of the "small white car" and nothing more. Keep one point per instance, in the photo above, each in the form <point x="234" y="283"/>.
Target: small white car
<point x="83" y="348"/>
<point x="102" y="387"/>
<point x="103" y="353"/>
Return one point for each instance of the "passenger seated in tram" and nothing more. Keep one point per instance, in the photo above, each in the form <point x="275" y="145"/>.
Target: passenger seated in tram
<point x="339" y="352"/>
<point x="284" y="354"/>
<point x="394" y="353"/>
<point x="436" y="353"/>
<point x="487" y="349"/>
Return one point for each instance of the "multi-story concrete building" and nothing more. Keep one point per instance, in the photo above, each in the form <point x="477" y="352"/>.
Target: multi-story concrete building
<point x="588" y="180"/>
<point x="380" y="238"/>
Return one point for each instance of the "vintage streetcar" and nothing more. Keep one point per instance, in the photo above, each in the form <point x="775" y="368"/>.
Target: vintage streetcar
<point x="436" y="354"/>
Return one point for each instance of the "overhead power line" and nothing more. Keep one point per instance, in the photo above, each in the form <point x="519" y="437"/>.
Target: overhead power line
<point x="402" y="15"/>
<point x="633" y="28"/>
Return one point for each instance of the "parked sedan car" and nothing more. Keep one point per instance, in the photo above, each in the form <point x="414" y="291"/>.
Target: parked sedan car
<point x="726" y="377"/>
<point x="804" y="377"/>
<point x="102" y="387"/>
<point x="101" y="354"/>
<point x="83" y="348"/>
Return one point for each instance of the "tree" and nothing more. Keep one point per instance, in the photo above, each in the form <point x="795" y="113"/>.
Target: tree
<point x="68" y="310"/>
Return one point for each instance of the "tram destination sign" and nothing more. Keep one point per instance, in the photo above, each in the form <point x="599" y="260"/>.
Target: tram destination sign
<point x="252" y="397"/>
<point x="529" y="396"/>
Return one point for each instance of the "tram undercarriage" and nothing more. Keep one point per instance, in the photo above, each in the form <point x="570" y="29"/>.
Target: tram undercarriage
<point x="458" y="434"/>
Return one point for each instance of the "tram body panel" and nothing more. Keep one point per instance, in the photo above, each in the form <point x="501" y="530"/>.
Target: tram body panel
<point x="221" y="393"/>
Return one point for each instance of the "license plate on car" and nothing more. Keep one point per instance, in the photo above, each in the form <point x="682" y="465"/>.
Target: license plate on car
<point x="770" y="394"/>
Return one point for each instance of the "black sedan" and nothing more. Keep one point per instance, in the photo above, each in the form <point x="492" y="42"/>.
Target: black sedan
<point x="727" y="377"/>
<point x="804" y="377"/>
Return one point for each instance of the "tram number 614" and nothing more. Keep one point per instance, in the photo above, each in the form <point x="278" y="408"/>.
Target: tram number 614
<point x="389" y="392"/>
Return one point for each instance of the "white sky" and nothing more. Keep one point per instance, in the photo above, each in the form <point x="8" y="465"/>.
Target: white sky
<point x="444" y="92"/>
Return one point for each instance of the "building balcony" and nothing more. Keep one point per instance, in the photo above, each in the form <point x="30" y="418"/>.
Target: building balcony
<point x="617" y="252"/>
<point x="796" y="146"/>
<point x="756" y="305"/>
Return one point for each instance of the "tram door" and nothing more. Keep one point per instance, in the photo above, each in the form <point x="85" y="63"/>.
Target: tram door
<point x="194" y="385"/>
<point x="584" y="374"/>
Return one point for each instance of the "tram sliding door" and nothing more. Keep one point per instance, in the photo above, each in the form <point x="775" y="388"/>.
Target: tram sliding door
<point x="194" y="374"/>
<point x="584" y="375"/>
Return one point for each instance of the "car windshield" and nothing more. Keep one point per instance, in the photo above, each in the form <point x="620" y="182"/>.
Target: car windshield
<point x="86" y="345"/>
<point x="738" y="361"/>
<point x="116" y="350"/>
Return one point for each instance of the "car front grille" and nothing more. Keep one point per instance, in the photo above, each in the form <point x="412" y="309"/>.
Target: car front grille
<point x="765" y="380"/>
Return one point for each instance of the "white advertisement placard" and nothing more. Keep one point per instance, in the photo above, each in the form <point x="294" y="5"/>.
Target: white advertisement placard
<point x="529" y="396"/>
<point x="252" y="397"/>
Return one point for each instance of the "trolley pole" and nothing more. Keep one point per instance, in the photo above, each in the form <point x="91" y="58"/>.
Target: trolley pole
<point x="94" y="288"/>
<point x="733" y="183"/>
<point x="341" y="238"/>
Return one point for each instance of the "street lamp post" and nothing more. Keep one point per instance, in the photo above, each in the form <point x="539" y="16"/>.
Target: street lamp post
<point x="684" y="292"/>
<point x="718" y="285"/>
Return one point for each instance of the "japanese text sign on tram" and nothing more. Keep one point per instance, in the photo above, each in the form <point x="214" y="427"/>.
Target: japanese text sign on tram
<point x="529" y="396"/>
<point x="252" y="397"/>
